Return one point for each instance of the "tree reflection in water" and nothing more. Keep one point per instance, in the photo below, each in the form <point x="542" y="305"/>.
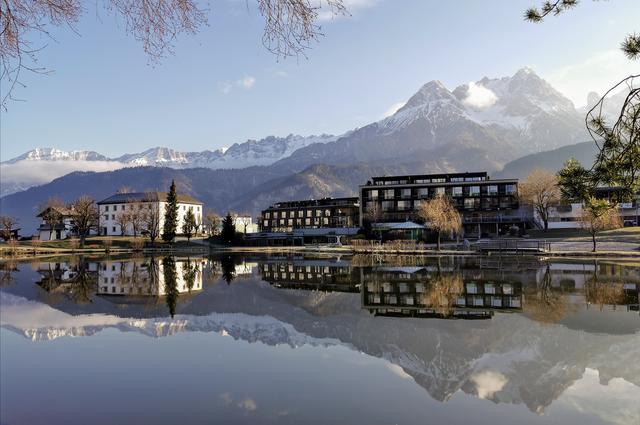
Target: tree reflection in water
<point x="546" y="305"/>
<point x="191" y="269"/>
<point x="228" y="266"/>
<point x="7" y="268"/>
<point x="442" y="292"/>
<point x="170" y="284"/>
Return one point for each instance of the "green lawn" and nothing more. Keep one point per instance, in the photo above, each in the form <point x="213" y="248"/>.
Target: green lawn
<point x="624" y="234"/>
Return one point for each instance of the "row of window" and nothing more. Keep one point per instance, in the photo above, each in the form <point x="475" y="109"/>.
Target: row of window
<point x="464" y="203"/>
<point x="141" y="206"/>
<point x="428" y="180"/>
<point x="301" y="213"/>
<point x="427" y="192"/>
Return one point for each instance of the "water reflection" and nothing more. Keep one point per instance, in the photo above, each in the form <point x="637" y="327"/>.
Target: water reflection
<point x="553" y="329"/>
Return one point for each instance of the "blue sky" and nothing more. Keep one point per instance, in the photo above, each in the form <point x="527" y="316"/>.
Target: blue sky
<point x="221" y="86"/>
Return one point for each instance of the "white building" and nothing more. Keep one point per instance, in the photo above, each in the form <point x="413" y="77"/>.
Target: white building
<point x="63" y="227"/>
<point x="569" y="216"/>
<point x="144" y="203"/>
<point x="146" y="278"/>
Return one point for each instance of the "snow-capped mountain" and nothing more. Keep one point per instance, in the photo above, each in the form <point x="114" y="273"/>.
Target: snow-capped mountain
<point x="53" y="154"/>
<point x="42" y="165"/>
<point x="479" y="125"/>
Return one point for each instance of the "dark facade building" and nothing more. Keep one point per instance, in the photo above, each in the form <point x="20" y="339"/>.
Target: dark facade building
<point x="487" y="206"/>
<point x="311" y="214"/>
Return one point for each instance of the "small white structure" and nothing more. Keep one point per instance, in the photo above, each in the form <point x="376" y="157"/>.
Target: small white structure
<point x="244" y="224"/>
<point x="143" y="203"/>
<point x="570" y="216"/>
<point x="62" y="228"/>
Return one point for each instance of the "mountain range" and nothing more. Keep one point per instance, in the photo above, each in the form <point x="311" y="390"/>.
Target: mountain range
<point x="481" y="125"/>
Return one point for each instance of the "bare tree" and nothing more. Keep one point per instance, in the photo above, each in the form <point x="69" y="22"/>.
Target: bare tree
<point x="245" y="220"/>
<point x="290" y="27"/>
<point x="212" y="221"/>
<point x="442" y="292"/>
<point x="85" y="216"/>
<point x="137" y="217"/>
<point x="540" y="189"/>
<point x="373" y="214"/>
<point x="440" y="215"/>
<point x="152" y="221"/>
<point x="7" y="224"/>
<point x="123" y="219"/>
<point x="598" y="215"/>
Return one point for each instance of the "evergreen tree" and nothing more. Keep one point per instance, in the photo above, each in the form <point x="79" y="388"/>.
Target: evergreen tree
<point x="189" y="226"/>
<point x="228" y="233"/>
<point x="170" y="214"/>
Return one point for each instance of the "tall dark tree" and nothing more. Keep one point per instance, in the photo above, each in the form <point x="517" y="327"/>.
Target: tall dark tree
<point x="170" y="214"/>
<point x="228" y="233"/>
<point x="228" y="267"/>
<point x="170" y="284"/>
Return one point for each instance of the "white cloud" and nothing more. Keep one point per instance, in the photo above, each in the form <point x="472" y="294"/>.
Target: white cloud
<point x="28" y="173"/>
<point x="393" y="109"/>
<point x="597" y="73"/>
<point x="225" y="87"/>
<point x="479" y="97"/>
<point x="615" y="402"/>
<point x="488" y="382"/>
<point x="246" y="82"/>
<point x="352" y="6"/>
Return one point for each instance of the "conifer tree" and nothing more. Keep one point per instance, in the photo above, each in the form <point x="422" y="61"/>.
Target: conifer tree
<point x="228" y="233"/>
<point x="170" y="214"/>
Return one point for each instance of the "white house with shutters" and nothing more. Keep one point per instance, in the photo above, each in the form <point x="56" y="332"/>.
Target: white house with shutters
<point x="143" y="203"/>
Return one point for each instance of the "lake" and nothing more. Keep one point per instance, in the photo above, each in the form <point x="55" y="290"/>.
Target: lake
<point x="292" y="338"/>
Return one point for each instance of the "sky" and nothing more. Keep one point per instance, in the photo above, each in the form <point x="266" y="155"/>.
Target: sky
<point x="221" y="86"/>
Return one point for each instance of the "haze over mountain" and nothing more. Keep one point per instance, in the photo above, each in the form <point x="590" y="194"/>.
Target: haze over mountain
<point x="41" y="165"/>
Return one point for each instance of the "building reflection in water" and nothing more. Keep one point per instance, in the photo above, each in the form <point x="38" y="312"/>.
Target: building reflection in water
<point x="126" y="278"/>
<point x="463" y="288"/>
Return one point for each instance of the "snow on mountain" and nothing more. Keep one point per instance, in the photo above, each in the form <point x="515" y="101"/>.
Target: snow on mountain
<point x="53" y="154"/>
<point x="42" y="165"/>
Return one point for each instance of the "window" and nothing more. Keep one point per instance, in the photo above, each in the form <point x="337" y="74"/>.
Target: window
<point x="106" y="207"/>
<point x="113" y="216"/>
<point x="404" y="205"/>
<point x="267" y="215"/>
<point x="439" y="180"/>
<point x="456" y="191"/>
<point x="309" y="213"/>
<point x="373" y="194"/>
<point x="389" y="194"/>
<point x="423" y="192"/>
<point x="439" y="191"/>
<point x="510" y="189"/>
<point x="113" y="229"/>
<point x="115" y="208"/>
<point x="406" y="193"/>
<point x="265" y="223"/>
<point x="106" y="216"/>
<point x="474" y="191"/>
<point x="387" y="205"/>
<point x="492" y="189"/>
<point x="307" y="222"/>
<point x="457" y="179"/>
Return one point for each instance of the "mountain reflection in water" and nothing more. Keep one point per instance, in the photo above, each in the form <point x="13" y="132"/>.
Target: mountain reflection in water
<point x="547" y="324"/>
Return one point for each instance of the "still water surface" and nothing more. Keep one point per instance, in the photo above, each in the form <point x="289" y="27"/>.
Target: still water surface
<point x="305" y="340"/>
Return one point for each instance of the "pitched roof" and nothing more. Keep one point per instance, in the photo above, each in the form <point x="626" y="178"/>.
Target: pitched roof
<point x="124" y="198"/>
<point x="63" y="211"/>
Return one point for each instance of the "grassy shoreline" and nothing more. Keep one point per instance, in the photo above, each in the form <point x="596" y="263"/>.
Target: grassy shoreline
<point x="569" y="243"/>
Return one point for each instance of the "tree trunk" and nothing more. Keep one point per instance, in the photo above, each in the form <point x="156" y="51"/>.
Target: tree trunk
<point x="546" y="224"/>
<point x="82" y="237"/>
<point x="593" y="239"/>
<point x="438" y="246"/>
